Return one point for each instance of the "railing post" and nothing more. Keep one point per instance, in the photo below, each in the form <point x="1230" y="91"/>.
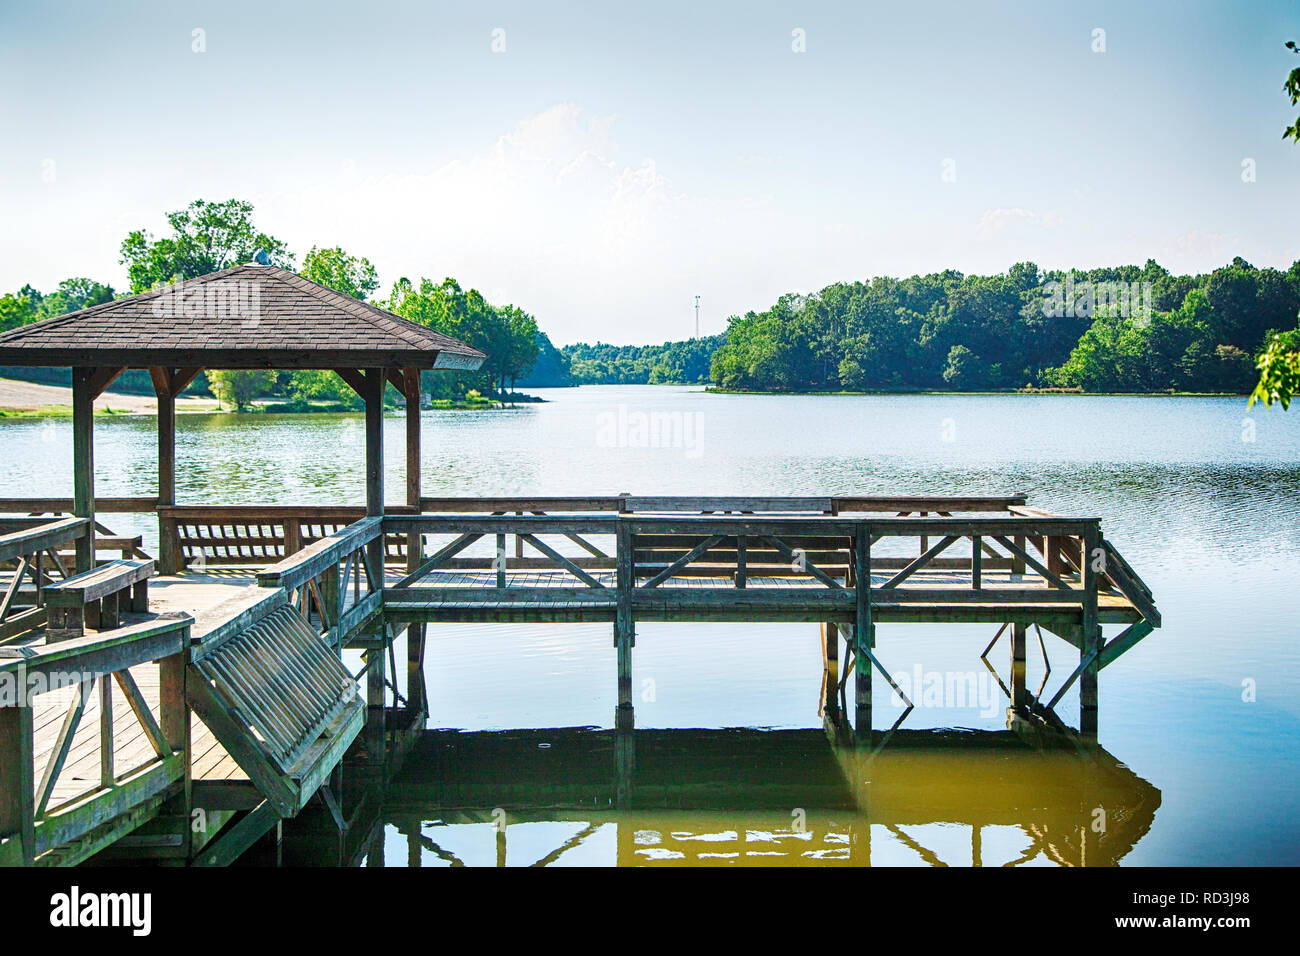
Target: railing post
<point x="1091" y="633"/>
<point x="863" y="634"/>
<point x="623" y="626"/>
<point x="17" y="784"/>
<point x="1019" y="640"/>
<point x="329" y="594"/>
<point x="501" y="560"/>
<point x="171" y="556"/>
<point x="174" y="722"/>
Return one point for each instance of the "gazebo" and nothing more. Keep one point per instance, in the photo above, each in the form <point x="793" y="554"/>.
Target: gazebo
<point x="246" y="317"/>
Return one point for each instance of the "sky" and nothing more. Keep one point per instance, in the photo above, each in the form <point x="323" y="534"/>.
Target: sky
<point x="600" y="165"/>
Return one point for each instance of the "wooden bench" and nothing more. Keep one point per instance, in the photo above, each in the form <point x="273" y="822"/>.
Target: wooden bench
<point x="94" y="598"/>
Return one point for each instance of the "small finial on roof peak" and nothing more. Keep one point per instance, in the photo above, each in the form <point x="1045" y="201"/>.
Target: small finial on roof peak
<point x="261" y="258"/>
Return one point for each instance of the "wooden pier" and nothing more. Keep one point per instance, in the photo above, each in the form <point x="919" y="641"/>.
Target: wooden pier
<point x="179" y="707"/>
<point x="218" y="728"/>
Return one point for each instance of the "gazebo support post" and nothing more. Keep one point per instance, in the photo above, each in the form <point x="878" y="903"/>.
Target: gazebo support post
<point x="83" y="462"/>
<point x="415" y="633"/>
<point x="411" y="391"/>
<point x="162" y="387"/>
<point x="373" y="383"/>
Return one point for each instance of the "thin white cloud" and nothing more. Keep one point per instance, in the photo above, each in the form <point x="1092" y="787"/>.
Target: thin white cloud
<point x="548" y="214"/>
<point x="995" y="222"/>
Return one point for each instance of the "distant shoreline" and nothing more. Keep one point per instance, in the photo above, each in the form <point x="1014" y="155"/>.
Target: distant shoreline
<point x="1064" y="392"/>
<point x="1075" y="392"/>
<point x="22" y="399"/>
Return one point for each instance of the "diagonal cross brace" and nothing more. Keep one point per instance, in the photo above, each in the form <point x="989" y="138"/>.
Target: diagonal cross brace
<point x="920" y="562"/>
<point x="692" y="555"/>
<point x="1106" y="654"/>
<point x="802" y="563"/>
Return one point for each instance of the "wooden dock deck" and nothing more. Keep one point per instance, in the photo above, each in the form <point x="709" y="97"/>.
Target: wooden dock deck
<point x="260" y="664"/>
<point x="227" y="698"/>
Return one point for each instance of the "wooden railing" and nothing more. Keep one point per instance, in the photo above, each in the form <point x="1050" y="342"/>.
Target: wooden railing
<point x="226" y="535"/>
<point x="335" y="582"/>
<point x="701" y="559"/>
<point x="47" y="817"/>
<point x="250" y="535"/>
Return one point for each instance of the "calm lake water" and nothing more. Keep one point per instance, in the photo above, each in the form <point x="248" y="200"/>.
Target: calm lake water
<point x="1199" y="723"/>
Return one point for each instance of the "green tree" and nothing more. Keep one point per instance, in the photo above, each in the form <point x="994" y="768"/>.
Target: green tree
<point x="74" y="294"/>
<point x="963" y="365"/>
<point x="1279" y="363"/>
<point x="15" y="310"/>
<point x="239" y="387"/>
<point x="351" y="275"/>
<point x="307" y="385"/>
<point x="1292" y="89"/>
<point x="507" y="335"/>
<point x="206" y="237"/>
<point x="1279" y="371"/>
<point x="518" y="340"/>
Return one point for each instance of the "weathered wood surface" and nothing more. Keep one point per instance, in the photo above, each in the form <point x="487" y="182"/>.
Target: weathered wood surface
<point x="103" y="580"/>
<point x="689" y="566"/>
<point x="42" y="537"/>
<point x="83" y="794"/>
<point x="619" y="559"/>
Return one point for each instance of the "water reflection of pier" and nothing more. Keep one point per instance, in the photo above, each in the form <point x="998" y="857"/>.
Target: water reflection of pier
<point x="785" y="797"/>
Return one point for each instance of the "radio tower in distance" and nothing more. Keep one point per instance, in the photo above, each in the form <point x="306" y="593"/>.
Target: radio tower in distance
<point x="697" y="316"/>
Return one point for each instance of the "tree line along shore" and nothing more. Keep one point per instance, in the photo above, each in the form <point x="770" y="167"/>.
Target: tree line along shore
<point x="1126" y="329"/>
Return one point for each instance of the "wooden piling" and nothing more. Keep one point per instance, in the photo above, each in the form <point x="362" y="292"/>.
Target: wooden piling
<point x="376" y="743"/>
<point x="863" y="635"/>
<point x="1090" y="647"/>
<point x="623" y="629"/>
<point x="415" y="691"/>
<point x="831" y="665"/>
<point x="624" y="767"/>
<point x="1019" y="640"/>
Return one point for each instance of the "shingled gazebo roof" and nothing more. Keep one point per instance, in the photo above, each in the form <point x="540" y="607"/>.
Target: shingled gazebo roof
<point x="247" y="316"/>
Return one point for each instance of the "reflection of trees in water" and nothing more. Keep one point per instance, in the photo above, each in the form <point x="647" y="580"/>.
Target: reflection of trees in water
<point x="769" y="797"/>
